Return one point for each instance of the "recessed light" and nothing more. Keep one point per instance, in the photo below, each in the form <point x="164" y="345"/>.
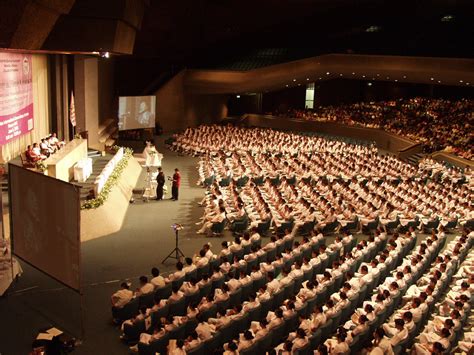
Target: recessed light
<point x="353" y="73"/>
<point x="378" y="74"/>
<point x="363" y="76"/>
<point x="467" y="84"/>
<point x="373" y="29"/>
<point x="340" y="74"/>
<point x="431" y="79"/>
<point x="369" y="84"/>
<point x="460" y="81"/>
<point x="388" y="77"/>
<point x="396" y="80"/>
<point x="439" y="81"/>
<point x="294" y="79"/>
<point x="286" y="85"/>
<point x="404" y="77"/>
<point x="237" y="96"/>
<point x="320" y="78"/>
<point x="307" y="79"/>
<point x="447" y="18"/>
<point x="327" y="73"/>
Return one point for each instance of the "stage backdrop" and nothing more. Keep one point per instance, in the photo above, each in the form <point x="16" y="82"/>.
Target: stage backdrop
<point x="45" y="224"/>
<point x="24" y="102"/>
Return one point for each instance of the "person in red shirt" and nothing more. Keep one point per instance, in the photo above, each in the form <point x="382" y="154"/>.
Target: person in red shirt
<point x="175" y="185"/>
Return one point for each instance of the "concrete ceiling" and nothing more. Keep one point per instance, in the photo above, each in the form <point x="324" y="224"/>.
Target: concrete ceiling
<point x="439" y="71"/>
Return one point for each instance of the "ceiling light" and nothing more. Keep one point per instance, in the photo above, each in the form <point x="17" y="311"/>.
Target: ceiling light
<point x="104" y="54"/>
<point x="294" y="79"/>
<point x="447" y="18"/>
<point x="378" y="74"/>
<point x="372" y="29"/>
<point x="396" y="80"/>
<point x="388" y="77"/>
<point x="320" y="78"/>
<point x="404" y="77"/>
<point x="307" y="79"/>
<point x="237" y="96"/>
<point x="439" y="81"/>
<point x="369" y="84"/>
<point x="340" y="74"/>
<point x="327" y="73"/>
<point x="286" y="85"/>
<point x="431" y="79"/>
<point x="363" y="76"/>
<point x="460" y="81"/>
<point x="353" y="73"/>
<point x="467" y="84"/>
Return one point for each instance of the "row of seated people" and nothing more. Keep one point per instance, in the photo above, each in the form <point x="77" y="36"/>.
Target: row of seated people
<point x="321" y="281"/>
<point x="371" y="197"/>
<point x="439" y="124"/>
<point x="351" y="297"/>
<point x="311" y="299"/>
<point x="40" y="151"/>
<point x="323" y="202"/>
<point x="365" y="330"/>
<point x="445" y="328"/>
<point x="360" y="323"/>
<point x="398" y="330"/>
<point x="225" y="266"/>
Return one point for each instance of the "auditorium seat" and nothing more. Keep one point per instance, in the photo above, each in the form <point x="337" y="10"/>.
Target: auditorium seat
<point x="178" y="308"/>
<point x="132" y="331"/>
<point x="128" y="311"/>
<point x="158" y="346"/>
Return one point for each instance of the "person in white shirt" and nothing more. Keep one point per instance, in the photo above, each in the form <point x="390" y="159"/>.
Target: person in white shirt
<point x="157" y="281"/>
<point x="176" y="294"/>
<point x="190" y="267"/>
<point x="177" y="274"/>
<point x="190" y="287"/>
<point x="120" y="298"/>
<point x="145" y="287"/>
<point x="396" y="334"/>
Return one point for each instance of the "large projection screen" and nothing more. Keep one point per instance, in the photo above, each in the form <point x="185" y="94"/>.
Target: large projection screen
<point x="136" y="112"/>
<point x="45" y="224"/>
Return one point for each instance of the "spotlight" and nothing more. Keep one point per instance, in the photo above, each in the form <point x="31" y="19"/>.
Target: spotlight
<point x="104" y="54"/>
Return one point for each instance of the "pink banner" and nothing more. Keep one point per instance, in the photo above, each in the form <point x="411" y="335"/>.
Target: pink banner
<point x="16" y="96"/>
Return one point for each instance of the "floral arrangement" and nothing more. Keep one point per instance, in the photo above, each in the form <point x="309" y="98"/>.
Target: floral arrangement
<point x="111" y="181"/>
<point x="41" y="166"/>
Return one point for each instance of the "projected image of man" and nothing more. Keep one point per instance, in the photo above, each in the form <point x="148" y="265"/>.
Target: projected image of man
<point x="144" y="115"/>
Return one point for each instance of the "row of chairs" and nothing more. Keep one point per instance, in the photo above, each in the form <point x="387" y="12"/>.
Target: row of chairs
<point x="230" y="331"/>
<point x="355" y="301"/>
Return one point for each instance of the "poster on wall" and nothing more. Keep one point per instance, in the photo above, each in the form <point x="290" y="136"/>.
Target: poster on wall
<point x="16" y="95"/>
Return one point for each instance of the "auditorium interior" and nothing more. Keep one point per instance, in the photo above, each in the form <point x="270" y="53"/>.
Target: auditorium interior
<point x="236" y="177"/>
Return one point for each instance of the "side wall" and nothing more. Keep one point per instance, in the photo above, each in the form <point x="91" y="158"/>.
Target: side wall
<point x="178" y="108"/>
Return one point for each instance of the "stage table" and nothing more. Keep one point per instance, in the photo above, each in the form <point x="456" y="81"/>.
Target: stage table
<point x="61" y="164"/>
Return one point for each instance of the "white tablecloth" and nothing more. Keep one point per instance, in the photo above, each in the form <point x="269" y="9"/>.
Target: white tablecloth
<point x="104" y="175"/>
<point x="83" y="169"/>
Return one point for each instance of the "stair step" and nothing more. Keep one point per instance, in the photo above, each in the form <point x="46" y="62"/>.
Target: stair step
<point x="106" y="125"/>
<point x="110" y="142"/>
